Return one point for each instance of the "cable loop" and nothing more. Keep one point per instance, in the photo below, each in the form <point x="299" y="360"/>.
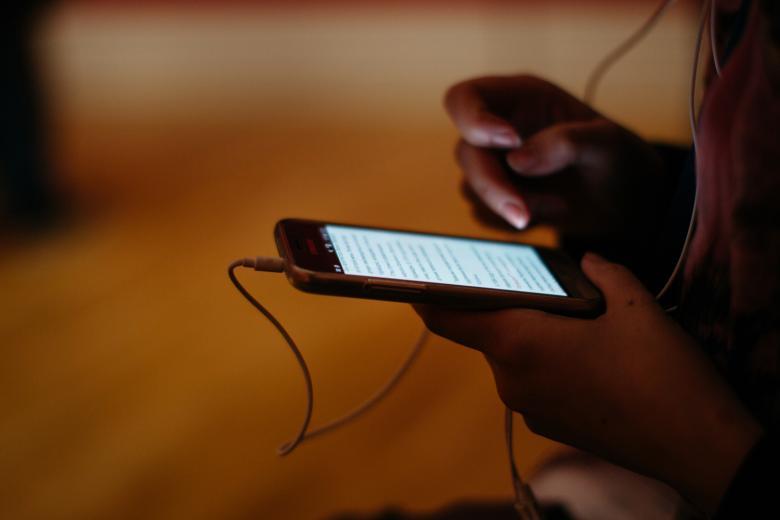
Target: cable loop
<point x="270" y="264"/>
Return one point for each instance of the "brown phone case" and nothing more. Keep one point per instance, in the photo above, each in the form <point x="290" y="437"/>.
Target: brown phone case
<point x="584" y="301"/>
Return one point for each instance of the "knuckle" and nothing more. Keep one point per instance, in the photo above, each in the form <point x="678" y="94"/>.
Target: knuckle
<point x="512" y="395"/>
<point x="567" y="142"/>
<point x="509" y="396"/>
<point x="535" y="424"/>
<point x="458" y="91"/>
<point x="508" y="401"/>
<point x="435" y="323"/>
<point x="569" y="149"/>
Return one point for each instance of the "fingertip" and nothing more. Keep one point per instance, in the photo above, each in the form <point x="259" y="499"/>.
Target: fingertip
<point x="592" y="257"/>
<point x="522" y="160"/>
<point x="483" y="128"/>
<point x="592" y="262"/>
<point x="614" y="280"/>
<point x="420" y="309"/>
<point x="505" y="138"/>
<point x="498" y="131"/>
<point x="498" y="127"/>
<point x="491" y="134"/>
<point x="516" y="213"/>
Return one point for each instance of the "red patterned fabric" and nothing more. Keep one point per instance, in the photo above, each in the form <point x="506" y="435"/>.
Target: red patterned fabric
<point x="731" y="297"/>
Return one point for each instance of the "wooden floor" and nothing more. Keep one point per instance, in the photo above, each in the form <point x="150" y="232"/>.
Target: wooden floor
<point x="136" y="383"/>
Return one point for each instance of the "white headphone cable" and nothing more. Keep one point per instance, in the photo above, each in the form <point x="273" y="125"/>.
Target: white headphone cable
<point x="713" y="37"/>
<point x="692" y="120"/>
<point x="525" y="503"/>
<point x="276" y="265"/>
<point x="616" y="54"/>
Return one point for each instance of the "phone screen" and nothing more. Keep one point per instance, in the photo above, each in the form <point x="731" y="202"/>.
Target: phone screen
<point x="439" y="259"/>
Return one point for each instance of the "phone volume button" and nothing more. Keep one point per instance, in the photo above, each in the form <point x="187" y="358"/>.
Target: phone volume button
<point x="385" y="286"/>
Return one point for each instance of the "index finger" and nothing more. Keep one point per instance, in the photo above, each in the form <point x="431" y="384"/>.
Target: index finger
<point x="504" y="335"/>
<point x="490" y="183"/>
<point x="476" y="124"/>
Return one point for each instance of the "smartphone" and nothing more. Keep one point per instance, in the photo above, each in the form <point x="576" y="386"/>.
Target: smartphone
<point x="416" y="267"/>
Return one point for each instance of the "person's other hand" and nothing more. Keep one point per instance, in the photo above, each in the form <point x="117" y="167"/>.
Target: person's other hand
<point x="532" y="153"/>
<point x="630" y="386"/>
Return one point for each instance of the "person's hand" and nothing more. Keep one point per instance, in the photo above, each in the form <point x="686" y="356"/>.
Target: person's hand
<point x="532" y="153"/>
<point x="630" y="386"/>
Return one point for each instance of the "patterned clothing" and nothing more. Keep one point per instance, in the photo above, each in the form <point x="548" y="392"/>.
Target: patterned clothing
<point x="731" y="290"/>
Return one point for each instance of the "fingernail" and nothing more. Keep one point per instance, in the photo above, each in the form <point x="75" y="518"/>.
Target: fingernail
<point x="515" y="214"/>
<point x="505" y="138"/>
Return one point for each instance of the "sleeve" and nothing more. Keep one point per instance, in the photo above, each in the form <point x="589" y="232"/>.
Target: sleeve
<point x="754" y="238"/>
<point x="755" y="277"/>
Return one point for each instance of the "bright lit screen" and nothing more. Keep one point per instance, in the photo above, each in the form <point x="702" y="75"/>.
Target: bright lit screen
<point x="432" y="258"/>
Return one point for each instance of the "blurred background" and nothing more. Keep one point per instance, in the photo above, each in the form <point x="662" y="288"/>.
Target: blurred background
<point x="148" y="144"/>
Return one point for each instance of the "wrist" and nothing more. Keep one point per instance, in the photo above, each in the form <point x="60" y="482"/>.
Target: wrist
<point x="711" y="458"/>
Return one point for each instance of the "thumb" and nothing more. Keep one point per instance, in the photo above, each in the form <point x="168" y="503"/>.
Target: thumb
<point x="616" y="282"/>
<point x="559" y="146"/>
